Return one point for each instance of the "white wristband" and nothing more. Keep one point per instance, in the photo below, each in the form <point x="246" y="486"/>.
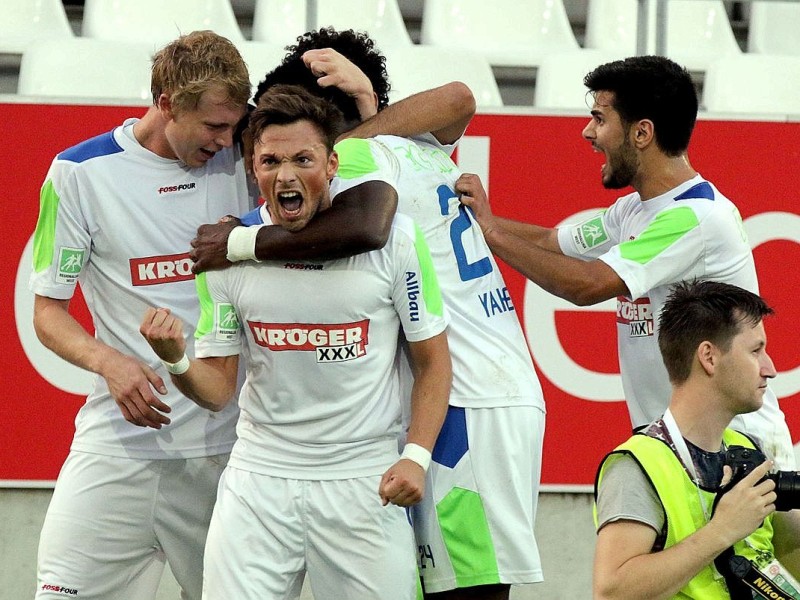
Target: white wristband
<point x="178" y="368"/>
<point x="418" y="454"/>
<point x="242" y="243"/>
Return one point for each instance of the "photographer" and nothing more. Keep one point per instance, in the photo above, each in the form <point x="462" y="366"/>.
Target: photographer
<point x="659" y="530"/>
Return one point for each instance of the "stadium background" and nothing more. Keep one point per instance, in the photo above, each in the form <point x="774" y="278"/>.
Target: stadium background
<point x="538" y="169"/>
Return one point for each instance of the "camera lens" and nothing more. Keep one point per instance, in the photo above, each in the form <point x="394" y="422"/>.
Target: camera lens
<point x="787" y="488"/>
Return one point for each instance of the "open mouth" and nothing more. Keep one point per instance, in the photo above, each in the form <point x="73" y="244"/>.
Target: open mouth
<point x="290" y="202"/>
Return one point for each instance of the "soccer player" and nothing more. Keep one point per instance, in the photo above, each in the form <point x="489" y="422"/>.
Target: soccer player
<point x="316" y="461"/>
<point x="496" y="406"/>
<point x="675" y="226"/>
<point x="117" y="214"/>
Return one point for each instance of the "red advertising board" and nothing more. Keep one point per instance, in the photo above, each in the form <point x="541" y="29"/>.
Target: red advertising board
<point x="539" y="170"/>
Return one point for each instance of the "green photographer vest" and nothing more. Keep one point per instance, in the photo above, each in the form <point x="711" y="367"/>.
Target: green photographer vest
<point x="679" y="496"/>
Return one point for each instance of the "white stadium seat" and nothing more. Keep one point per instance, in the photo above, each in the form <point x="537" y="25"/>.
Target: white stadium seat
<point x="85" y="68"/>
<point x="414" y="69"/>
<point x="698" y="31"/>
<point x="157" y="21"/>
<point x="753" y="84"/>
<point x="25" y="21"/>
<point x="559" y="78"/>
<point x="612" y="25"/>
<point x="281" y="21"/>
<point x="509" y="33"/>
<point x="773" y="28"/>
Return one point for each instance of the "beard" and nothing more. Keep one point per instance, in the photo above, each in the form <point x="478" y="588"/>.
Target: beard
<point x="622" y="167"/>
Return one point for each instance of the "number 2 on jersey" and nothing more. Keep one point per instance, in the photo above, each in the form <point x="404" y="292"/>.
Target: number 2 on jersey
<point x="466" y="270"/>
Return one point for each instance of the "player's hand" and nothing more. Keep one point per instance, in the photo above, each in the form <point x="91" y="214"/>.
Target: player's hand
<point x="403" y="484"/>
<point x="164" y="332"/>
<point x="472" y="194"/>
<point x="210" y="248"/>
<point x="333" y="69"/>
<point x="131" y="384"/>
<point x="745" y="506"/>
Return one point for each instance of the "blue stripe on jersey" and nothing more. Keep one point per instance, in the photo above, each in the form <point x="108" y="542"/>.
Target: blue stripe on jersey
<point x="701" y="190"/>
<point x="101" y="145"/>
<point x="253" y="218"/>
<point x="452" y="442"/>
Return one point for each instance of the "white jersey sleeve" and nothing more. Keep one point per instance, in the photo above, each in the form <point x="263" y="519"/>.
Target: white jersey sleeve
<point x="62" y="244"/>
<point x="416" y="293"/>
<point x="593" y="237"/>
<point x="218" y="331"/>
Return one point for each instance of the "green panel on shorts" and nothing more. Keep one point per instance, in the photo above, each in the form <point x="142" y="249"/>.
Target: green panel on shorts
<point x="45" y="234"/>
<point x="206" y="323"/>
<point x="355" y="158"/>
<point x="466" y="535"/>
<point x="431" y="293"/>
<point x="666" y="229"/>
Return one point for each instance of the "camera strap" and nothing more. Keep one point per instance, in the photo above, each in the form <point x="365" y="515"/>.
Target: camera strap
<point x="686" y="458"/>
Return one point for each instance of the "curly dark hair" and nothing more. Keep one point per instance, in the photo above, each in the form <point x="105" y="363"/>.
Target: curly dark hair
<point x="356" y="46"/>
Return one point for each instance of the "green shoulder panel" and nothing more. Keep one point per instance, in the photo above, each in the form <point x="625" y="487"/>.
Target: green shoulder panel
<point x="45" y="234"/>
<point x="431" y="293"/>
<point x="206" y="323"/>
<point x="667" y="228"/>
<point x="355" y="158"/>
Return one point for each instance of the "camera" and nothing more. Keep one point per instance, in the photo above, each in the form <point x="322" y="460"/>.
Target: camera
<point x="743" y="460"/>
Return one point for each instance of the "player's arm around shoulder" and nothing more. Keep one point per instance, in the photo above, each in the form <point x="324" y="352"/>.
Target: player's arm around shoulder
<point x="444" y="111"/>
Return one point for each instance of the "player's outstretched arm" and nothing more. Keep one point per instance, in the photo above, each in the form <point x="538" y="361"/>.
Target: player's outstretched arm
<point x="130" y="381"/>
<point x="536" y="253"/>
<point x="473" y="194"/>
<point x="404" y="483"/>
<point x="444" y="111"/>
<point x="209" y="382"/>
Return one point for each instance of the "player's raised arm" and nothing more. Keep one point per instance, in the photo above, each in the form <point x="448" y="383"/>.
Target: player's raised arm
<point x="210" y="382"/>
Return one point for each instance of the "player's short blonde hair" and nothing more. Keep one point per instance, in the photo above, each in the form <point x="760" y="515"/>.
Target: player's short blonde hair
<point x="195" y="63"/>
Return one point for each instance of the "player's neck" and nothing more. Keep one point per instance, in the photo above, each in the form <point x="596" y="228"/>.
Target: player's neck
<point x="659" y="174"/>
<point x="149" y="132"/>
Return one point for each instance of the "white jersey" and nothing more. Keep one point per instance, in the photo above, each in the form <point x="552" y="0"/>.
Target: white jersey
<point x="690" y="232"/>
<point x="492" y="366"/>
<point x="321" y="398"/>
<point x="118" y="219"/>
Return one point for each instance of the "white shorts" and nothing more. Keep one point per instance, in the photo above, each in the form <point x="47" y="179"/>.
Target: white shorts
<point x="267" y="532"/>
<point x="113" y="522"/>
<point x="475" y="525"/>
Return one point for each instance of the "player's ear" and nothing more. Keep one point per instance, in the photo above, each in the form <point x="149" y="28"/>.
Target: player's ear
<point x="333" y="164"/>
<point x="164" y="104"/>
<point x="642" y="133"/>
